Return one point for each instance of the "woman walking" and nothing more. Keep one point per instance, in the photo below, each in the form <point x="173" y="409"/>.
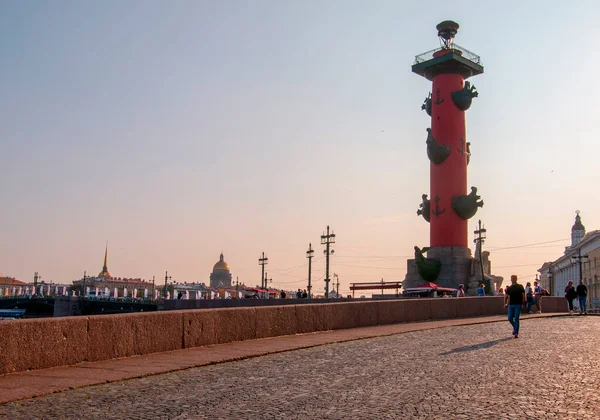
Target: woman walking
<point x="570" y="294"/>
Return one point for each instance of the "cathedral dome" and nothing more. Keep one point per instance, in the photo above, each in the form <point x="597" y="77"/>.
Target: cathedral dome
<point x="221" y="265"/>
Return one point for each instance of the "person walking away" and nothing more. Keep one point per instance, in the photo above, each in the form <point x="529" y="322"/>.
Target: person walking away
<point x="481" y="290"/>
<point x="461" y="291"/>
<point x="570" y="294"/>
<point x="513" y="300"/>
<point x="537" y="292"/>
<point x="530" y="301"/>
<point x="582" y="295"/>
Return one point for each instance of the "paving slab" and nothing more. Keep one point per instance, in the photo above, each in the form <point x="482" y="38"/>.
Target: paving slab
<point x="470" y="370"/>
<point x="23" y="385"/>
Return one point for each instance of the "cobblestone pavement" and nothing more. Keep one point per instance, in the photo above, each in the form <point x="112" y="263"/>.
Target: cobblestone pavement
<point x="470" y="372"/>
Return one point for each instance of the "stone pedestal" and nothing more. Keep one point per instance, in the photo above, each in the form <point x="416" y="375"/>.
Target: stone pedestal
<point x="495" y="282"/>
<point x="456" y="267"/>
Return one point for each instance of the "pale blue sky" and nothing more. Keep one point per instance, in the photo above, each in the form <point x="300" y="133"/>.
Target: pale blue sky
<point x="177" y="130"/>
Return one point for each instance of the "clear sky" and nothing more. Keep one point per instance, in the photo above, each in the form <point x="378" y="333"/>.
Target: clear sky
<point x="177" y="130"/>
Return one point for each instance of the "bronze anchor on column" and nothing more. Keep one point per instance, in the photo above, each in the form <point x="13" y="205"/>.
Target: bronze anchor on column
<point x="437" y="98"/>
<point x="465" y="149"/>
<point x="437" y="210"/>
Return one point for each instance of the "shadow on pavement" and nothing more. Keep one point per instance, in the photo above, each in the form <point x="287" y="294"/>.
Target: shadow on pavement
<point x="476" y="346"/>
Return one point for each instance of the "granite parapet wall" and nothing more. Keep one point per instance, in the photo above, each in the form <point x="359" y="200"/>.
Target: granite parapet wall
<point x="42" y="343"/>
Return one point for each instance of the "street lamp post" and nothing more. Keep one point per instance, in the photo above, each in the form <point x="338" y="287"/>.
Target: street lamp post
<point x="262" y="261"/>
<point x="309" y="255"/>
<point x="84" y="278"/>
<point x="267" y="281"/>
<point x="480" y="239"/>
<point x="327" y="240"/>
<point x="579" y="259"/>
<point x="35" y="282"/>
<point x="167" y="277"/>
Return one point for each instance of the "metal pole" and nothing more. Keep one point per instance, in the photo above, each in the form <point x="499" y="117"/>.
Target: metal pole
<point x="262" y="261"/>
<point x="166" y="277"/>
<point x="309" y="255"/>
<point x="579" y="258"/>
<point x="327" y="240"/>
<point x="480" y="240"/>
<point x="84" y="278"/>
<point x="327" y="266"/>
<point x="480" y="257"/>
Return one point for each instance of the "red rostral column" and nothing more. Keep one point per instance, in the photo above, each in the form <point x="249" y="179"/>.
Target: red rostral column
<point x="450" y="206"/>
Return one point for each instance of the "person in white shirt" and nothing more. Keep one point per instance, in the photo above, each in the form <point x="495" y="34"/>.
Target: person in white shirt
<point x="461" y="291"/>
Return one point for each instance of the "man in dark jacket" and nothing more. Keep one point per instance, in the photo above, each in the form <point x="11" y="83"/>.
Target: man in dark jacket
<point x="514" y="297"/>
<point x="582" y="296"/>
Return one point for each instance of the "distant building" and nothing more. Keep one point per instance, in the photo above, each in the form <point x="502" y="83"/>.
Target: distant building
<point x="194" y="290"/>
<point x="130" y="287"/>
<point x="221" y="275"/>
<point x="554" y="275"/>
<point x="10" y="281"/>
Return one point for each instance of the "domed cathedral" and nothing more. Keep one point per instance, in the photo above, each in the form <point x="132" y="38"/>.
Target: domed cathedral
<point x="221" y="275"/>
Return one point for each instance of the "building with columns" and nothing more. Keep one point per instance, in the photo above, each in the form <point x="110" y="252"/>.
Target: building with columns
<point x="115" y="286"/>
<point x="555" y="275"/>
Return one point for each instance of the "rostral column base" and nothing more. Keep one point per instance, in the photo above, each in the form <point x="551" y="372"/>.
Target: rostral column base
<point x="456" y="267"/>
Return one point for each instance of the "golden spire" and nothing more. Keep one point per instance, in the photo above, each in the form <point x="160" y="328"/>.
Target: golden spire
<point x="104" y="267"/>
<point x="104" y="273"/>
